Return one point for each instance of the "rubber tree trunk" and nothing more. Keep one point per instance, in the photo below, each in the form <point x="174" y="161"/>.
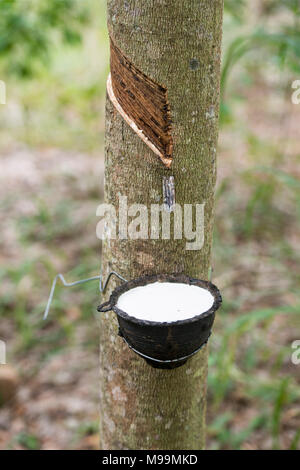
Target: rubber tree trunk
<point x="177" y="44"/>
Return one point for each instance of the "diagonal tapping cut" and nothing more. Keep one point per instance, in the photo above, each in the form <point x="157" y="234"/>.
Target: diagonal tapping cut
<point x="143" y="104"/>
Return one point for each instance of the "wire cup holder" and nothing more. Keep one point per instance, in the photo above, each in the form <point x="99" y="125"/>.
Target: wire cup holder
<point x="163" y="345"/>
<point x="102" y="286"/>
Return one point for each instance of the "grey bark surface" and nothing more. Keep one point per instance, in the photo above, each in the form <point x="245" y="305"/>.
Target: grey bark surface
<point x="178" y="44"/>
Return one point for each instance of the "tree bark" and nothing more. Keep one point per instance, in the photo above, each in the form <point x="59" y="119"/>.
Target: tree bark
<point x="178" y="45"/>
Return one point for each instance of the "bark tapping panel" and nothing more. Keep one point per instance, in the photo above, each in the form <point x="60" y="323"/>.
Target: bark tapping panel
<point x="142" y="102"/>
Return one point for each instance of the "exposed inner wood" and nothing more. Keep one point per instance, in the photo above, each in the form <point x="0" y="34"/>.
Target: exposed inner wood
<point x="144" y="101"/>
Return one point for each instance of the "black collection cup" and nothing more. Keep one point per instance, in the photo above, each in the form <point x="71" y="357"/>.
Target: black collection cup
<point x="164" y="345"/>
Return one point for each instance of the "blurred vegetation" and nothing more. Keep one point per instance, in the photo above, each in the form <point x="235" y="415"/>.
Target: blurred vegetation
<point x="29" y="28"/>
<point x="55" y="71"/>
<point x="54" y="59"/>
